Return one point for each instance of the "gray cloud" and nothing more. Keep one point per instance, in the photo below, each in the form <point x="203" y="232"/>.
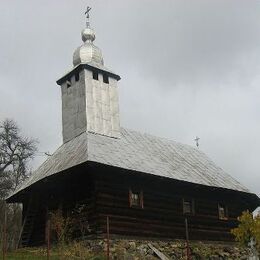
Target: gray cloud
<point x="188" y="68"/>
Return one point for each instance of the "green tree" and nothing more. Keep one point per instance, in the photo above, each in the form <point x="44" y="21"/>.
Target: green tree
<point x="249" y="227"/>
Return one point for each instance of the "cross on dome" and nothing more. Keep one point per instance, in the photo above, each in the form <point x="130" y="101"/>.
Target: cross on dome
<point x="88" y="52"/>
<point x="88" y="34"/>
<point x="87" y="15"/>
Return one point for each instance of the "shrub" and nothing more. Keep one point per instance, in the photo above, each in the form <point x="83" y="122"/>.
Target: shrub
<point x="74" y="225"/>
<point x="249" y="227"/>
<point x="61" y="226"/>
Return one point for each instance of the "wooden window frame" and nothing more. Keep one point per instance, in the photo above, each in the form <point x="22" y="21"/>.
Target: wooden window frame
<point x="95" y="75"/>
<point x="105" y="79"/>
<point x="141" y="198"/>
<point x="224" y="206"/>
<point x="68" y="83"/>
<point x="192" y="202"/>
<point x="77" y="76"/>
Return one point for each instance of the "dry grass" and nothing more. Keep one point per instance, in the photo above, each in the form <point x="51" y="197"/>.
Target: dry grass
<point x="73" y="250"/>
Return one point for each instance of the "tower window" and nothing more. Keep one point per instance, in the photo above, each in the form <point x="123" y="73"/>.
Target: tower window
<point x="136" y="199"/>
<point x="95" y="75"/>
<point x="105" y="78"/>
<point x="188" y="206"/>
<point x="222" y="211"/>
<point x="68" y="83"/>
<point x="77" y="76"/>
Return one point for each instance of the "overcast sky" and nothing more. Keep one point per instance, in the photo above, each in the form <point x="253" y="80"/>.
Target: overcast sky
<point x="188" y="68"/>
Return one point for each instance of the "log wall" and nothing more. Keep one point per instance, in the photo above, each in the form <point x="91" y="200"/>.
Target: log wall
<point x="162" y="215"/>
<point x="104" y="191"/>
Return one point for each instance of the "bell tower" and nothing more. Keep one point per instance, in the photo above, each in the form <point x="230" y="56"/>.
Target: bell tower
<point x="89" y="92"/>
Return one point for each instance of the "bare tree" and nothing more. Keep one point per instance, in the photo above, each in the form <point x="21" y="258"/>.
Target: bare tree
<point x="15" y="152"/>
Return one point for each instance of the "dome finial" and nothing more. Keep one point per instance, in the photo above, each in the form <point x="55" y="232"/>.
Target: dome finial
<point x="88" y="34"/>
<point x="88" y="52"/>
<point x="87" y="16"/>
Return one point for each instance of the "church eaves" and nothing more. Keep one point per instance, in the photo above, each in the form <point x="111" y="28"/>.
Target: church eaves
<point x="140" y="153"/>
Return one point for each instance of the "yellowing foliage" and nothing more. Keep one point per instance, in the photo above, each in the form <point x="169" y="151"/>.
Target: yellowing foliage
<point x="60" y="225"/>
<point x="249" y="227"/>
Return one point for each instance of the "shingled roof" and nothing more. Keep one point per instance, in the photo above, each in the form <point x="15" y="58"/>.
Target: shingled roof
<point x="138" y="152"/>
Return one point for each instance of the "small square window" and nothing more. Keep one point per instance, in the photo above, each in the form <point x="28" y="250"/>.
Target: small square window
<point x="188" y="206"/>
<point x="136" y="199"/>
<point x="95" y="75"/>
<point x="105" y="78"/>
<point x="222" y="211"/>
<point x="68" y="83"/>
<point x="77" y="76"/>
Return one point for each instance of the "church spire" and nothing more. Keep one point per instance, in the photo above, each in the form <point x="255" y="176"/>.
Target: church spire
<point x="89" y="92"/>
<point x="88" y="52"/>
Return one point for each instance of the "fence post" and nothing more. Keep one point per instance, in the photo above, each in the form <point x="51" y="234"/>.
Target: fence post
<point x="48" y="238"/>
<point x="108" y="253"/>
<point x="4" y="232"/>
<point x="187" y="240"/>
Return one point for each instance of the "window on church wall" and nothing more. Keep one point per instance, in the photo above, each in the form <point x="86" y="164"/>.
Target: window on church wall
<point x="68" y="83"/>
<point x="77" y="77"/>
<point x="136" y="199"/>
<point x="95" y="75"/>
<point x="188" y="207"/>
<point x="222" y="211"/>
<point x="105" y="78"/>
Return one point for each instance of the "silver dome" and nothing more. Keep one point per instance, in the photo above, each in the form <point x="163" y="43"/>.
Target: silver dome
<point x="87" y="52"/>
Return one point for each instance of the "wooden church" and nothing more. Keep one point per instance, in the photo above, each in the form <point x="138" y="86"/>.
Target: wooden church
<point x="147" y="185"/>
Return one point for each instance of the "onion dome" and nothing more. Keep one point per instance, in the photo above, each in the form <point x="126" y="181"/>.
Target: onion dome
<point x="88" y="52"/>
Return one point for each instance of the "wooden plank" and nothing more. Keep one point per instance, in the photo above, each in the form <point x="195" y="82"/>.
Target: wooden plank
<point x="158" y="253"/>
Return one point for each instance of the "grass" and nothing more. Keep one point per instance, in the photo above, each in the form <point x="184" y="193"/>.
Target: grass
<point x="73" y="251"/>
<point x="31" y="254"/>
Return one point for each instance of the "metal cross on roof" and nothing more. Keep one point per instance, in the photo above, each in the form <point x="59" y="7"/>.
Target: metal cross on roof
<point x="197" y="141"/>
<point x="87" y="12"/>
<point x="87" y="15"/>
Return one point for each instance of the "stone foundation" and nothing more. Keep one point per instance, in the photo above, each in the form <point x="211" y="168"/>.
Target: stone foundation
<point x="138" y="249"/>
